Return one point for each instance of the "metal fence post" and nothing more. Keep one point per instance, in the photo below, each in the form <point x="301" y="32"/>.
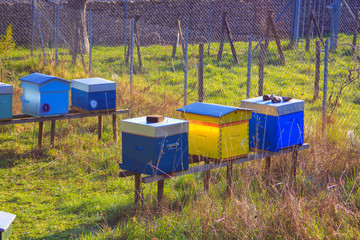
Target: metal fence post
<point x="125" y="27"/>
<point x="90" y="42"/>
<point x="132" y="54"/>
<point x="41" y="39"/>
<point x="32" y="28"/>
<point x="335" y="15"/>
<point x="249" y="68"/>
<point x="326" y="60"/>
<point x="186" y="66"/>
<point x="210" y="15"/>
<point x="295" y="24"/>
<point x="57" y="34"/>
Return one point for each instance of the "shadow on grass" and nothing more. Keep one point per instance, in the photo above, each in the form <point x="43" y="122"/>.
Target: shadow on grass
<point x="9" y="157"/>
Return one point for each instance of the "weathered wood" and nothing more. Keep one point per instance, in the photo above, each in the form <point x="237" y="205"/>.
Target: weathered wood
<point x="317" y="28"/>
<point x="52" y="133"/>
<point x="317" y="70"/>
<point x="176" y="37"/>
<point x="310" y="28"/>
<point x="293" y="165"/>
<point x="23" y="118"/>
<point x="233" y="50"/>
<point x="223" y="26"/>
<point x="267" y="31"/>
<point x="201" y="73"/>
<point x="99" y="127"/>
<point x="356" y="29"/>
<point x="261" y="68"/>
<point x="160" y="194"/>
<point x="207" y="177"/>
<point x="124" y="174"/>
<point x="229" y="179"/>
<point x="137" y="189"/>
<point x="114" y="127"/>
<point x="41" y="130"/>
<point x="277" y="40"/>
<point x="211" y="165"/>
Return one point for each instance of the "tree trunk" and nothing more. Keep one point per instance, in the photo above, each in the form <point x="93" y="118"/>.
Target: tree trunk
<point x="79" y="39"/>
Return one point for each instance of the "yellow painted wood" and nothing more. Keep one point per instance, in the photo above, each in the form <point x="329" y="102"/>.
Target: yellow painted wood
<point x="204" y="140"/>
<point x="234" y="140"/>
<point x="235" y="116"/>
<point x="201" y="118"/>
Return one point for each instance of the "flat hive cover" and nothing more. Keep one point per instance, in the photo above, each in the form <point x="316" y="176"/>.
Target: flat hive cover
<point x="93" y="84"/>
<point x="169" y="127"/>
<point x="209" y="109"/>
<point x="39" y="78"/>
<point x="6" y="88"/>
<point x="273" y="109"/>
<point x="5" y="220"/>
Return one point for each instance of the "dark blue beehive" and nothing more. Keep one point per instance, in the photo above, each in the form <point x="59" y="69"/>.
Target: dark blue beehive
<point x="154" y="148"/>
<point x="93" y="94"/>
<point x="44" y="95"/>
<point x="6" y="91"/>
<point x="275" y="125"/>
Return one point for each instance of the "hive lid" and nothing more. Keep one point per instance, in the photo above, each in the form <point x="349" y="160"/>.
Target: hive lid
<point x="93" y="84"/>
<point x="168" y="127"/>
<point x="6" y="88"/>
<point x="39" y="78"/>
<point x="209" y="109"/>
<point x="273" y="109"/>
<point x="5" y="220"/>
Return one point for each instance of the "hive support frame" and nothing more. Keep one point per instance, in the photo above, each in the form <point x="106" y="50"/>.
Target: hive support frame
<point x="208" y="166"/>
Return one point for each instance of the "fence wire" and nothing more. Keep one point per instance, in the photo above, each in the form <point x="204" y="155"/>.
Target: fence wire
<point x="44" y="27"/>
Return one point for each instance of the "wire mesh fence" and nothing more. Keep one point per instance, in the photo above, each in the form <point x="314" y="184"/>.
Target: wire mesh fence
<point x="99" y="37"/>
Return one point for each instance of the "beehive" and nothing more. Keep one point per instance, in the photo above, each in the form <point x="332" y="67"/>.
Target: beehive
<point x="275" y="125"/>
<point x="154" y="148"/>
<point x="93" y="94"/>
<point x="6" y="220"/>
<point x="6" y="92"/>
<point x="217" y="132"/>
<point x="44" y="95"/>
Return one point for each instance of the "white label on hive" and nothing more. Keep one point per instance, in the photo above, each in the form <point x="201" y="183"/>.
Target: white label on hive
<point x="93" y="103"/>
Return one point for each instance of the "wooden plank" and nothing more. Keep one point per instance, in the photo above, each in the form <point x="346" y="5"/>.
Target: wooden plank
<point x="52" y="133"/>
<point x="207" y="177"/>
<point x="124" y="174"/>
<point x="223" y="26"/>
<point x="137" y="189"/>
<point x="99" y="127"/>
<point x="77" y="109"/>
<point x="231" y="41"/>
<point x="293" y="165"/>
<point x="212" y="165"/>
<point x="19" y="119"/>
<point x="40" y="137"/>
<point x="229" y="179"/>
<point x="114" y="127"/>
<point x="277" y="40"/>
<point x="160" y="194"/>
<point x="261" y="68"/>
<point x="356" y="29"/>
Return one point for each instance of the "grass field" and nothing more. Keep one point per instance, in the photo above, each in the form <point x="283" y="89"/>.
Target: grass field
<point x="73" y="190"/>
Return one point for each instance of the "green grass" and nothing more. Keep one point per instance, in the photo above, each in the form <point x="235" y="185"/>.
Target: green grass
<point x="73" y="191"/>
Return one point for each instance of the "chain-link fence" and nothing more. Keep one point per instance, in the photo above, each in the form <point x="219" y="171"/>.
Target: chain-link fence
<point x="170" y="35"/>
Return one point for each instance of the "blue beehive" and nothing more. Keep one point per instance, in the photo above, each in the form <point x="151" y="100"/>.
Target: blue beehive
<point x="44" y="95"/>
<point x="275" y="125"/>
<point x="154" y="148"/>
<point x="6" y="91"/>
<point x="6" y="220"/>
<point x="93" y="94"/>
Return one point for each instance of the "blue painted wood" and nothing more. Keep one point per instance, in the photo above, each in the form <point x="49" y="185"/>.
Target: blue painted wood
<point x="273" y="133"/>
<point x="6" y="106"/>
<point x="209" y="109"/>
<point x="44" y="95"/>
<point x="154" y="156"/>
<point x="93" y="84"/>
<point x="93" y="101"/>
<point x="249" y="68"/>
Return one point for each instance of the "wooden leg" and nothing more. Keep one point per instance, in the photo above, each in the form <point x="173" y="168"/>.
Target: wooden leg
<point x="52" y="134"/>
<point x="229" y="179"/>
<point x="99" y="127"/>
<point x="207" y="178"/>
<point x="293" y="165"/>
<point x="160" y="194"/>
<point x="267" y="168"/>
<point x="41" y="130"/>
<point x="114" y="127"/>
<point x="137" y="189"/>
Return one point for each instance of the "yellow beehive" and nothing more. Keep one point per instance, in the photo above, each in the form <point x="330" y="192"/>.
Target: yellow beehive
<point x="217" y="132"/>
